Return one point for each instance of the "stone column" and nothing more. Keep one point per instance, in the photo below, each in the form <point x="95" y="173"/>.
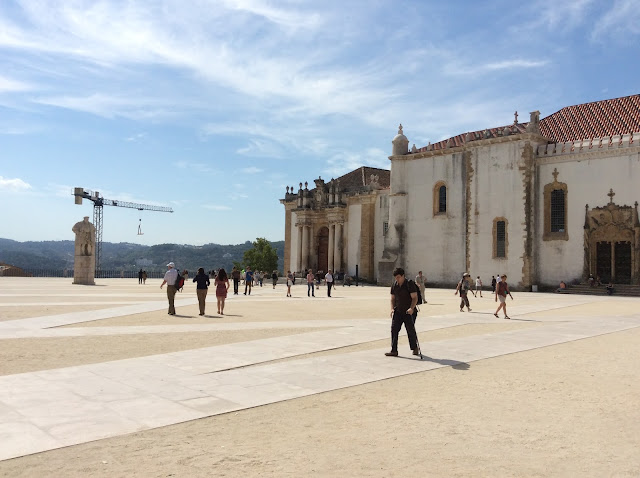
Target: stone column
<point x="298" y="265"/>
<point x="305" y="247"/>
<point x="332" y="230"/>
<point x="337" y="250"/>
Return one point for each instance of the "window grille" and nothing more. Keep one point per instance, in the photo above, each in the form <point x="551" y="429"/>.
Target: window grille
<point x="385" y="228"/>
<point x="557" y="210"/>
<point x="501" y="239"/>
<point x="442" y="199"/>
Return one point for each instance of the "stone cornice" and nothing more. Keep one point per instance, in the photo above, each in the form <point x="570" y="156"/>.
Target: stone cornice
<point x="470" y="146"/>
<point x="588" y="154"/>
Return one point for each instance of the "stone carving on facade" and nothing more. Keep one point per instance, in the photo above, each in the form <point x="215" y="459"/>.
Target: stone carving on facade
<point x="612" y="224"/>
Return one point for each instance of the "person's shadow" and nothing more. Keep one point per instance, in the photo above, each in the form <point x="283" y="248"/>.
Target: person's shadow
<point x="455" y="364"/>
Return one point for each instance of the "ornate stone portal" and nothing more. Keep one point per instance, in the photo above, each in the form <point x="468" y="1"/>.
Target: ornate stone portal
<point x="84" y="264"/>
<point x="612" y="243"/>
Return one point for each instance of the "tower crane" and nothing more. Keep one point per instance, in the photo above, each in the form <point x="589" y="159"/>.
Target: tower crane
<point x="98" y="203"/>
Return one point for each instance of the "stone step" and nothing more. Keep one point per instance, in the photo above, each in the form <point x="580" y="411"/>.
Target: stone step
<point x="628" y="290"/>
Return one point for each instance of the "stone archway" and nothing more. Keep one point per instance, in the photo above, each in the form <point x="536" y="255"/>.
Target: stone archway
<point x="323" y="249"/>
<point x="612" y="243"/>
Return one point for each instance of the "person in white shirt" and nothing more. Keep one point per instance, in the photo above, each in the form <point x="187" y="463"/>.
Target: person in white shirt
<point x="328" y="279"/>
<point x="170" y="278"/>
<point x="478" y="286"/>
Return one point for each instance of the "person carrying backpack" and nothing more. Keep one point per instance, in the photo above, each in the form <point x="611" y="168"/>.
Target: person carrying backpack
<point x="404" y="298"/>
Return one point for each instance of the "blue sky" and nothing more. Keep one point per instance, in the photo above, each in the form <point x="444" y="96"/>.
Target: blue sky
<point x="214" y="107"/>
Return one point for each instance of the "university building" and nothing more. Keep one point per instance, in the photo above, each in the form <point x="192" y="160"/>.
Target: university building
<point x="548" y="200"/>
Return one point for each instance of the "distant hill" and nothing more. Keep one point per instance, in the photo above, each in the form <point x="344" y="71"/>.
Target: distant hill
<point x="127" y="256"/>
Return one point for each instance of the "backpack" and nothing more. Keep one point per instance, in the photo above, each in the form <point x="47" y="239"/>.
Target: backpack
<point x="409" y="281"/>
<point x="417" y="289"/>
<point x="179" y="282"/>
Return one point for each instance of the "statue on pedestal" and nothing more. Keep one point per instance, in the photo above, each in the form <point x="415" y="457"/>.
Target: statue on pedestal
<point x="84" y="261"/>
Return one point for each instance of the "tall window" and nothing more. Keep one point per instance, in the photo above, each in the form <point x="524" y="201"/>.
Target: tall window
<point x="501" y="239"/>
<point x="440" y="199"/>
<point x="557" y="210"/>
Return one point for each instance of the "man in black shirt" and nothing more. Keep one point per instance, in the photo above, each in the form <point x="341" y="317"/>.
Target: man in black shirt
<point x="404" y="298"/>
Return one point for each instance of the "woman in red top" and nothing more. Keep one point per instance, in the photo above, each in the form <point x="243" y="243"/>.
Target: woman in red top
<point x="502" y="289"/>
<point x="222" y="286"/>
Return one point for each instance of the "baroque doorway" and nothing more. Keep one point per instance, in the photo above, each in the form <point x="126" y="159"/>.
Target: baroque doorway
<point x="612" y="243"/>
<point x="323" y="249"/>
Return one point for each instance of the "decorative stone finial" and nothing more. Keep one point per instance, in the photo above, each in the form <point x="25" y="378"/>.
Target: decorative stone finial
<point x="414" y="149"/>
<point x="300" y="185"/>
<point x="611" y="194"/>
<point x="400" y="144"/>
<point x="555" y="175"/>
<point x="287" y="189"/>
<point x="306" y="185"/>
<point x="515" y="119"/>
<point x="400" y="129"/>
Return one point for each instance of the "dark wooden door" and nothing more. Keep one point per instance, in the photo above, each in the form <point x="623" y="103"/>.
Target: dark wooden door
<point x="603" y="261"/>
<point x="623" y="263"/>
<point x="323" y="249"/>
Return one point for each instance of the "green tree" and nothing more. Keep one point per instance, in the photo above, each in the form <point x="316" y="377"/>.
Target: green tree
<point x="262" y="256"/>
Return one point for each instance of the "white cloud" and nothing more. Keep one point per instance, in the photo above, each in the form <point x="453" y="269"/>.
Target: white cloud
<point x="14" y="185"/>
<point x="506" y="65"/>
<point x="251" y="170"/>
<point x="621" y="20"/>
<point x="345" y="162"/>
<point x="216" y="207"/>
<point x="194" y="166"/>
<point x="8" y="85"/>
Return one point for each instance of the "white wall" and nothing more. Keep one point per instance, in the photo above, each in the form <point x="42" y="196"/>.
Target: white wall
<point x="588" y="182"/>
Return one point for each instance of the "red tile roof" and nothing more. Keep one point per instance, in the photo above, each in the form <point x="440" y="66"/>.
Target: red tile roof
<point x="617" y="116"/>
<point x="597" y="119"/>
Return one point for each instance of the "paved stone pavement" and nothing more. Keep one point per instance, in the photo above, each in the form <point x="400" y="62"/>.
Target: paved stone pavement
<point x="60" y="407"/>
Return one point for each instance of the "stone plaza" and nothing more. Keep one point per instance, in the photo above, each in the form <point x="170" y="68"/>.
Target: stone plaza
<point x="100" y="381"/>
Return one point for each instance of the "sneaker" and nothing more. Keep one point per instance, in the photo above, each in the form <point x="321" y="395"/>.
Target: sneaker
<point x="391" y="354"/>
<point x="468" y="309"/>
<point x="416" y="352"/>
<point x="461" y="310"/>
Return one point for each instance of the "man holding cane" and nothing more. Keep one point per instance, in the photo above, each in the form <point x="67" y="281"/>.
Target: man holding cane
<point x="404" y="298"/>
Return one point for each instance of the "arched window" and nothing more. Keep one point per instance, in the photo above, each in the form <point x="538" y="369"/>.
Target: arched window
<point x="555" y="210"/>
<point x="500" y="238"/>
<point x="440" y="198"/>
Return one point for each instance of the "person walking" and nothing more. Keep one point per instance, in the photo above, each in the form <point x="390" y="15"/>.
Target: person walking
<point x="222" y="287"/>
<point x="328" y="279"/>
<point x="235" y="275"/>
<point x="170" y="278"/>
<point x="478" y="287"/>
<point x="493" y="284"/>
<point x="248" y="280"/>
<point x="404" y="298"/>
<point x="144" y="277"/>
<point x="502" y="289"/>
<point x="420" y="282"/>
<point x="274" y="278"/>
<point x="310" y="284"/>
<point x="202" y="287"/>
<point x="289" y="283"/>
<point x="463" y="287"/>
<point x="140" y="277"/>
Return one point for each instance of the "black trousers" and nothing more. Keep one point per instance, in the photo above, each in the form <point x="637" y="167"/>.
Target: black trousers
<point x="399" y="318"/>
<point x="329" y="285"/>
<point x="236" y="282"/>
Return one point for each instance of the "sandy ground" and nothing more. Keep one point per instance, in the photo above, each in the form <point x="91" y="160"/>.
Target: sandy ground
<point x="565" y="410"/>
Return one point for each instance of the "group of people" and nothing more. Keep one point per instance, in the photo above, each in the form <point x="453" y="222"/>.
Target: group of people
<point x="142" y="277"/>
<point x="404" y="302"/>
<point x="203" y="281"/>
<point x="312" y="278"/>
